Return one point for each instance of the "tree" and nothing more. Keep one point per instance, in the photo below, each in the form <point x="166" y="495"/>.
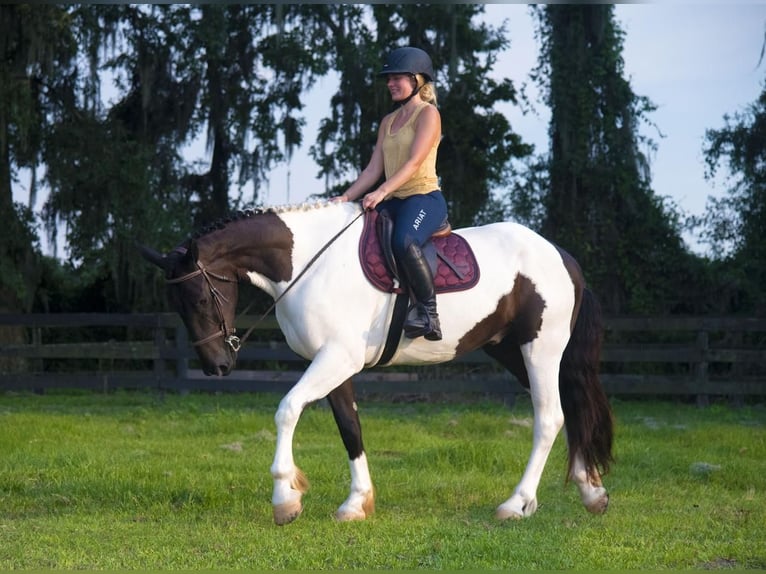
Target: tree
<point x="233" y="72"/>
<point x="113" y="173"/>
<point x="734" y="224"/>
<point x="600" y="205"/>
<point x="478" y="141"/>
<point x="34" y="41"/>
<point x="258" y="60"/>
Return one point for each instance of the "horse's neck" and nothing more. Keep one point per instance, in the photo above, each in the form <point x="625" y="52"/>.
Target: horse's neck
<point x="274" y="247"/>
<point x="261" y="243"/>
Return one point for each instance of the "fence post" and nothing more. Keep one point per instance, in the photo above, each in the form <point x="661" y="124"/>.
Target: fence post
<point x="159" y="344"/>
<point x="182" y="363"/>
<point x="701" y="368"/>
<point x="736" y="400"/>
<point x="37" y="364"/>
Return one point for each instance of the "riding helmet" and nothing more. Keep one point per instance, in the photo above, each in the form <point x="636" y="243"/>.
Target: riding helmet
<point x="408" y="61"/>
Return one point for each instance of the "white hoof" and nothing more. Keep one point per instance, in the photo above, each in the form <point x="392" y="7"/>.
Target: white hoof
<point x="291" y="507"/>
<point x="349" y="515"/>
<point x="357" y="507"/>
<point x="598" y="501"/>
<point x="515" y="509"/>
<point x="287" y="512"/>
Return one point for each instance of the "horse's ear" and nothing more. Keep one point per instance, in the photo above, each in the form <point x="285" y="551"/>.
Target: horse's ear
<point x="153" y="256"/>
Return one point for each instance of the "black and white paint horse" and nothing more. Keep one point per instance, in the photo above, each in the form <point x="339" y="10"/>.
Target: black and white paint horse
<point x="529" y="310"/>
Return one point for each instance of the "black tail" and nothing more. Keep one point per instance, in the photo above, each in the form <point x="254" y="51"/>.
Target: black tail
<point x="587" y="413"/>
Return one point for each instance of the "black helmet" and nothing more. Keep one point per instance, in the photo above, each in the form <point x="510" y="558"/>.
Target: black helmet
<point x="408" y="61"/>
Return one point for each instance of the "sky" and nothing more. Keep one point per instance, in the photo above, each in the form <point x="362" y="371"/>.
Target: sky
<point x="696" y="63"/>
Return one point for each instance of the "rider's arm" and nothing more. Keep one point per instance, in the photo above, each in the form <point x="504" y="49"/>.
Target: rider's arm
<point x="370" y="174"/>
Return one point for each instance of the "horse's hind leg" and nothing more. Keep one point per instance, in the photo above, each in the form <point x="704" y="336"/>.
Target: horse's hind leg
<point x="541" y="375"/>
<point x="361" y="501"/>
<point x="592" y="492"/>
<point x="548" y="421"/>
<point x="589" y="422"/>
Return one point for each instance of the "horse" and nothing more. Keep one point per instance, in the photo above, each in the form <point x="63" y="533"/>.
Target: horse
<point x="530" y="310"/>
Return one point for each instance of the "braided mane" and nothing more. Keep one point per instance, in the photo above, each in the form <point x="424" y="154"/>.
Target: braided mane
<point x="224" y="221"/>
<point x="248" y="213"/>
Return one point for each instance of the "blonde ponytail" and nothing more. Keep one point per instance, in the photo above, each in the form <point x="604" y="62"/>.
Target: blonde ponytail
<point x="427" y="90"/>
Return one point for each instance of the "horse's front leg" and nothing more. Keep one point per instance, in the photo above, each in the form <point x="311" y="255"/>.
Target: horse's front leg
<point x="326" y="372"/>
<point x="361" y="501"/>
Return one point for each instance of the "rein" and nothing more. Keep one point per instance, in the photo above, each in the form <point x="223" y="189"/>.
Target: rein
<point x="229" y="334"/>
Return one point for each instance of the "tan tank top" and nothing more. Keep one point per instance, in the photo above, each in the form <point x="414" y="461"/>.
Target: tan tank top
<point x="396" y="151"/>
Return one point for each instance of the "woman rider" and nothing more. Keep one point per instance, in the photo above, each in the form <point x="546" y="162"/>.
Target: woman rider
<point x="405" y="152"/>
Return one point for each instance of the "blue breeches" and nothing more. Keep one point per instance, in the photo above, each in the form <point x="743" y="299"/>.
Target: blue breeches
<point x="415" y="218"/>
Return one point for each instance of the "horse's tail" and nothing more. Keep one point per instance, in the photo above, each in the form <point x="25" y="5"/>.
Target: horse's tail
<point x="587" y="413"/>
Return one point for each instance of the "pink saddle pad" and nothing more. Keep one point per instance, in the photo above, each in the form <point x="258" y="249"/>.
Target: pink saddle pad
<point x="452" y="247"/>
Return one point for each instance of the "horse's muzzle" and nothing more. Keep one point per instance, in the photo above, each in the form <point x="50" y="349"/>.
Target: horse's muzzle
<point x="220" y="370"/>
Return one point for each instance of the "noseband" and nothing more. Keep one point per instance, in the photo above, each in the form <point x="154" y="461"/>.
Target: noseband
<point x="228" y="334"/>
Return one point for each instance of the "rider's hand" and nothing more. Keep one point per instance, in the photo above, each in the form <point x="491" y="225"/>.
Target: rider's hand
<point x="372" y="199"/>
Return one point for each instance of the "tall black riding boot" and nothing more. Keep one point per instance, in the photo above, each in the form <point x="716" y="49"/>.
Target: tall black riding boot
<point x="422" y="318"/>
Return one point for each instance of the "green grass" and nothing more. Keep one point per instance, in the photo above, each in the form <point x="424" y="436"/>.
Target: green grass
<point x="138" y="481"/>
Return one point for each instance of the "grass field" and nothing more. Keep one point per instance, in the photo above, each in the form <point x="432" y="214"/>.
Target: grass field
<point x="141" y="481"/>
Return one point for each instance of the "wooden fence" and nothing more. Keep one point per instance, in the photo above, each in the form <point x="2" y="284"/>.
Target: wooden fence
<point x="692" y="356"/>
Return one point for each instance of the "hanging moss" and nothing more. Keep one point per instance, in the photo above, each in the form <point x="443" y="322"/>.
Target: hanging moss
<point x="600" y="205"/>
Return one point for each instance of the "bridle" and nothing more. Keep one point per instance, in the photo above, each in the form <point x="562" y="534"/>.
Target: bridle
<point x="228" y="333"/>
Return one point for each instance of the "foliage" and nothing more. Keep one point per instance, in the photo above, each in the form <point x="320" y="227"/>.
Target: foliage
<point x="525" y="190"/>
<point x="183" y="483"/>
<point x="478" y="141"/>
<point x="236" y="73"/>
<point x="104" y="101"/>
<point x="33" y="41"/>
<point x="134" y="195"/>
<point x="117" y="175"/>
<point x="600" y="206"/>
<point x="733" y="224"/>
<point x="19" y="260"/>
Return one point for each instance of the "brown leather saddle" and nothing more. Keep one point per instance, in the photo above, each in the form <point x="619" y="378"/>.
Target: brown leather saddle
<point x="452" y="261"/>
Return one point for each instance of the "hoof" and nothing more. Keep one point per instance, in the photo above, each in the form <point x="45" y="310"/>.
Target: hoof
<point x="347" y="512"/>
<point x="511" y="510"/>
<point x="507" y="514"/>
<point x="349" y="516"/>
<point x="599" y="505"/>
<point x="286" y="513"/>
